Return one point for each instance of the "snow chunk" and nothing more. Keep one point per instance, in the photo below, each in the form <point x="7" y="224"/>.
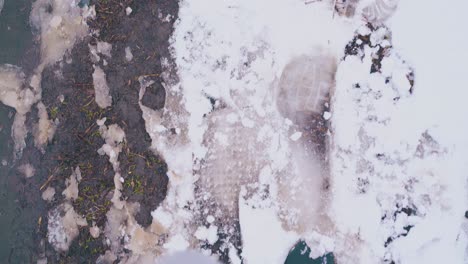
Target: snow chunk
<point x="176" y="243"/>
<point x="128" y="10"/>
<point x="60" y="24"/>
<point x="44" y="130"/>
<point x="209" y="234"/>
<point x="128" y="54"/>
<point x="104" y="48"/>
<point x="210" y="219"/>
<point x="296" y="136"/>
<point x="63" y="226"/>
<point x="113" y="136"/>
<point x="71" y="192"/>
<point x="48" y="194"/>
<point x="101" y="89"/>
<point x="326" y="115"/>
<point x="13" y="94"/>
<point x="94" y="231"/>
<point x="27" y="170"/>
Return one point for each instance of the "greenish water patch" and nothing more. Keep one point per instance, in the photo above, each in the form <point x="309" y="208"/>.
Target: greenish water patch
<point x="15" y="31"/>
<point x="300" y="255"/>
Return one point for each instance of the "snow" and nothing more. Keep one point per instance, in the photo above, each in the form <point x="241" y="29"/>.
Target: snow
<point x="44" y="130"/>
<point x="63" y="226"/>
<point x="27" y="170"/>
<point x="209" y="234"/>
<point x="396" y="177"/>
<point x="14" y="94"/>
<point x="398" y="148"/>
<point x="71" y="191"/>
<point x="264" y="240"/>
<point x="94" y="231"/>
<point x="48" y="194"/>
<point x="128" y="54"/>
<point x="113" y="136"/>
<point x="101" y="89"/>
<point x="234" y="53"/>
<point x="128" y="10"/>
<point x="176" y="243"/>
<point x="296" y="136"/>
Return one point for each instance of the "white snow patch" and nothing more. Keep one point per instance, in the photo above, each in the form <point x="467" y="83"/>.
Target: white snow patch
<point x="176" y="243"/>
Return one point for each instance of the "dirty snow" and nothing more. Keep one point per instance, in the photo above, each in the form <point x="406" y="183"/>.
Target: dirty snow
<point x="71" y="191"/>
<point x="128" y="54"/>
<point x="63" y="226"/>
<point x="27" y="170"/>
<point x="101" y="89"/>
<point x="48" y="194"/>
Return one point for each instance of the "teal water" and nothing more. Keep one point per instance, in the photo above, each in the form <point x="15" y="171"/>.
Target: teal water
<point x="300" y="255"/>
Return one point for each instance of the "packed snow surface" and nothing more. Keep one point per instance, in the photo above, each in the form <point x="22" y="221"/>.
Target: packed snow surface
<point x="390" y="185"/>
